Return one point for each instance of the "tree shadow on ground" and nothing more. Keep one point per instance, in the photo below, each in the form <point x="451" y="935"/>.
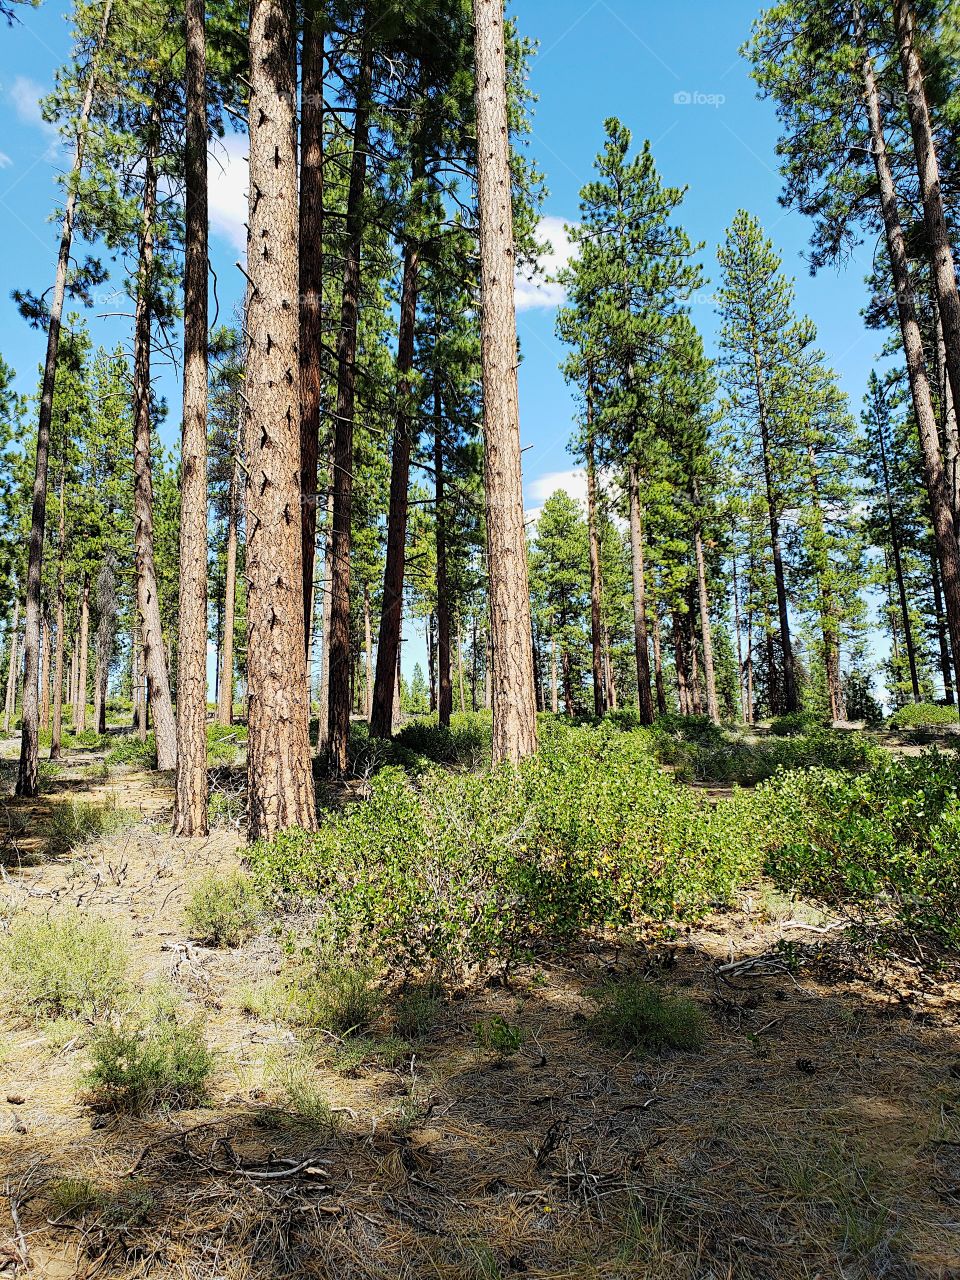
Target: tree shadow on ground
<point x="817" y="1134"/>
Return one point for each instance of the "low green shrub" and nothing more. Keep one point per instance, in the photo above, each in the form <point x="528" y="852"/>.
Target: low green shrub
<point x="498" y="1036"/>
<point x="925" y="715"/>
<point x="63" y="966"/>
<point x="144" y="1064"/>
<point x="130" y="750"/>
<point x="451" y="871"/>
<point x="465" y="744"/>
<point x="417" y="1009"/>
<point x="224" y="743"/>
<point x="702" y="752"/>
<point x="637" y="1015"/>
<point x="354" y="1054"/>
<point x="223" y="909"/>
<point x="887" y="839"/>
<point x="298" y="1100"/>
<point x="796" y="722"/>
<point x="334" y="994"/>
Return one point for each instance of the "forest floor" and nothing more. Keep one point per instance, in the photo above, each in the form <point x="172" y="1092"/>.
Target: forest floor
<point x="816" y="1135"/>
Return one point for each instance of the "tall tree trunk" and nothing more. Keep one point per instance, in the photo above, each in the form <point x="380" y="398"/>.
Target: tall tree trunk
<point x="488" y="677"/>
<point x="596" y="587"/>
<point x="74" y="669"/>
<point x="326" y="608"/>
<point x="444" y="682"/>
<point x="142" y="691"/>
<point x="943" y="638"/>
<point x="945" y="531"/>
<point x="569" y="705"/>
<point x="13" y="668"/>
<point x="680" y="662"/>
<point x="311" y="294"/>
<point x="514" y="690"/>
<point x="368" y="650"/>
<point x="56" y="727"/>
<point x="739" y="630"/>
<point x="225" y="689"/>
<point x="463" y="694"/>
<point x="554" y="682"/>
<point x="948" y="418"/>
<point x="791" y="700"/>
<point x="28" y="775"/>
<point x="45" y="674"/>
<point x="829" y="622"/>
<point x="395" y="559"/>
<point x="190" y="801"/>
<point x="398" y="688"/>
<point x="696" y="700"/>
<point x="106" y="622"/>
<point x="280" y="777"/>
<point x="706" y="631"/>
<point x="898" y="570"/>
<point x="83" y="654"/>
<point x="934" y="218"/>
<point x="658" y="679"/>
<point x="148" y="600"/>
<point x="338" y="649"/>
<point x="645" y="701"/>
<point x="432" y="661"/>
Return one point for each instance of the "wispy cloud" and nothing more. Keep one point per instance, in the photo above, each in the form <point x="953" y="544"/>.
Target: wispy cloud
<point x="5" y="160"/>
<point x="572" y="481"/>
<point x="228" y="184"/>
<point x="25" y="95"/>
<point x="540" y="288"/>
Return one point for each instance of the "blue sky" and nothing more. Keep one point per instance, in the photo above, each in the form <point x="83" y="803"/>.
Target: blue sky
<point x="672" y="73"/>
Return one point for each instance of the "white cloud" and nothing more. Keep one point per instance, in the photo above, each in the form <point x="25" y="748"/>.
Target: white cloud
<point x="227" y="195"/>
<point x="573" y="482"/>
<point x="25" y="94"/>
<point x="542" y="290"/>
<point x="5" y="160"/>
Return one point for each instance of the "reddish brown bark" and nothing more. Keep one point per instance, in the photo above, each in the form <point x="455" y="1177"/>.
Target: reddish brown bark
<point x="338" y="647"/>
<point x="190" y="799"/>
<point x="514" y="689"/>
<point x="279" y="772"/>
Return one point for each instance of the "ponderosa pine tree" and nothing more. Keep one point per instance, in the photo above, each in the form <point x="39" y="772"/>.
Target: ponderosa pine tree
<point x="761" y="346"/>
<point x="514" y="694"/>
<point x="280" y="778"/>
<point x="190" y="800"/>
<point x="943" y="270"/>
<point x="632" y="274"/>
<point x="338" y="658"/>
<point x="877" y="416"/>
<point x="819" y="62"/>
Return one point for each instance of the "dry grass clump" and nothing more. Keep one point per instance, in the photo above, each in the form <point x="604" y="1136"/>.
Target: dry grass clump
<point x="637" y="1015"/>
<point x="223" y="909"/>
<point x="160" y="1060"/>
<point x="63" y="966"/>
<point x="76" y="822"/>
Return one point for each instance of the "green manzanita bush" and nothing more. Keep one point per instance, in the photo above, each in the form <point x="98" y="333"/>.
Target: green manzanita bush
<point x="796" y="722"/>
<point x="887" y="837"/>
<point x="130" y="750"/>
<point x="925" y="715"/>
<point x="467" y="869"/>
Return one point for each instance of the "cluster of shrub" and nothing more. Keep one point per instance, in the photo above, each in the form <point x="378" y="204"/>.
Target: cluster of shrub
<point x="446" y="870"/>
